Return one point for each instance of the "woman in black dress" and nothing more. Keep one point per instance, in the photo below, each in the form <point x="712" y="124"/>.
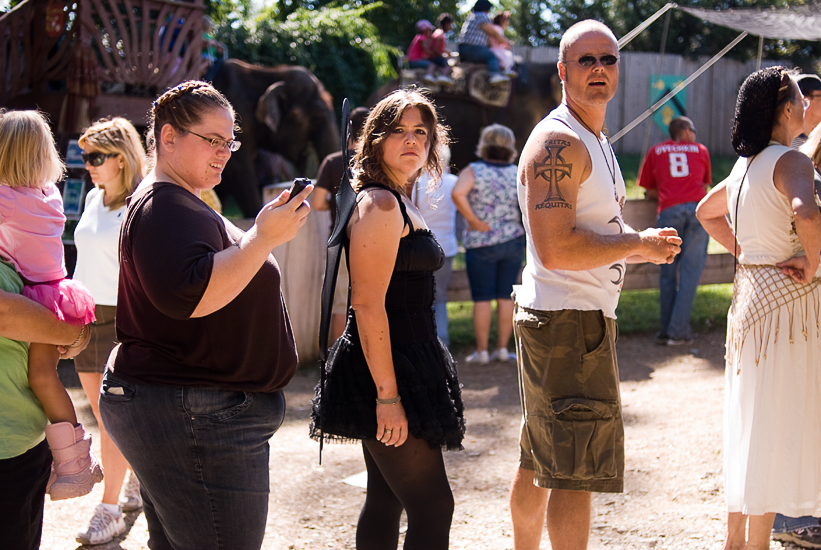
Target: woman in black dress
<point x="389" y="380"/>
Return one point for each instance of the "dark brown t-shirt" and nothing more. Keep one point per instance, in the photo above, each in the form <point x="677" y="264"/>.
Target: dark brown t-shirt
<point x="167" y="246"/>
<point x="329" y="177"/>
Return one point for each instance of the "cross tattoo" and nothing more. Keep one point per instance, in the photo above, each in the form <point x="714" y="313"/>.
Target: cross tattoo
<point x="553" y="169"/>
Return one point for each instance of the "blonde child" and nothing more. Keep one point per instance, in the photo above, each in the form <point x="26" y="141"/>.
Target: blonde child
<point x="31" y="226"/>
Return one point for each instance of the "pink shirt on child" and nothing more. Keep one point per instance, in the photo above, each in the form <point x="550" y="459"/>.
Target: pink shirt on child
<point x="31" y="227"/>
<point x="495" y="42"/>
<point x="416" y="51"/>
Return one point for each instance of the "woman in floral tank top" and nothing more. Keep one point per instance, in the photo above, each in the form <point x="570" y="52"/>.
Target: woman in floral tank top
<point x="485" y="194"/>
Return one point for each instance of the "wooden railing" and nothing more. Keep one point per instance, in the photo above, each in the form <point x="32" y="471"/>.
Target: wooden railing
<point x="29" y="55"/>
<point x="145" y="43"/>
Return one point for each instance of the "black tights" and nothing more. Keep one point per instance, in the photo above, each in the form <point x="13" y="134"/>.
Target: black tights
<point x="410" y="477"/>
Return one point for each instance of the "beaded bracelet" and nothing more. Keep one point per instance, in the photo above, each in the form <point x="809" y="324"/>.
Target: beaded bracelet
<point x="80" y="337"/>
<point x="391" y="401"/>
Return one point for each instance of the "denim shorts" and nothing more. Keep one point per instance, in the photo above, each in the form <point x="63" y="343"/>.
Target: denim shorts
<point x="493" y="270"/>
<point x="572" y="431"/>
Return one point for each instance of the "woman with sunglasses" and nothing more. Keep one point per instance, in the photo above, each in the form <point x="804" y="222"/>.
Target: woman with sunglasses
<point x="115" y="160"/>
<point x="772" y="411"/>
<point x="193" y="390"/>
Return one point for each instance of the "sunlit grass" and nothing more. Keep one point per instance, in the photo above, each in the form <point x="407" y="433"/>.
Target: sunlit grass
<point x="638" y="312"/>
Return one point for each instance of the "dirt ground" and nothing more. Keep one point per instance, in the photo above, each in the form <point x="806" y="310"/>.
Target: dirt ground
<point x="673" y="498"/>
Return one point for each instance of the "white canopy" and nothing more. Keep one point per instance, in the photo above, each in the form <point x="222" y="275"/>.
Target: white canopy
<point x="793" y="23"/>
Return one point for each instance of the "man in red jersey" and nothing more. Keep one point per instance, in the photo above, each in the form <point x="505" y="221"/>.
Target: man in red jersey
<point x="676" y="173"/>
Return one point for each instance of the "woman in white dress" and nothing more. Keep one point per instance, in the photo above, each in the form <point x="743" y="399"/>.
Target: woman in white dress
<point x="772" y="405"/>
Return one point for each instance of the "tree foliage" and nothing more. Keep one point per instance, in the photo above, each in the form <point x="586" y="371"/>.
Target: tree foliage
<point x="339" y="45"/>
<point x="687" y="35"/>
<point x="395" y="19"/>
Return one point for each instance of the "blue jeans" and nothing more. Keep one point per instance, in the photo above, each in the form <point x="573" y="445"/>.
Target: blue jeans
<point x="783" y="524"/>
<point x="201" y="455"/>
<point x="679" y="280"/>
<point x="493" y="270"/>
<point x="479" y="54"/>
<point x="440" y="305"/>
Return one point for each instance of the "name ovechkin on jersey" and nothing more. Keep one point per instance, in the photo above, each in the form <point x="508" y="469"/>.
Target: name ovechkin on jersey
<point x="676" y="148"/>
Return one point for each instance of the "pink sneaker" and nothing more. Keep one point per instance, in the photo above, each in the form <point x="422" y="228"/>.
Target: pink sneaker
<point x="75" y="469"/>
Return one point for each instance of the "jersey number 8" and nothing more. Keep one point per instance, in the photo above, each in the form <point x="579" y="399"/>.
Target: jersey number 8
<point x="678" y="165"/>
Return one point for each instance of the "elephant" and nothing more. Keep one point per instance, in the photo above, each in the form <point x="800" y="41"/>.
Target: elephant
<point x="535" y="93"/>
<point x="284" y="110"/>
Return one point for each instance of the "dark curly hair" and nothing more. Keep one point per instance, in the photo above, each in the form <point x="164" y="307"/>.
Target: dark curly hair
<point x="761" y="97"/>
<point x="382" y="120"/>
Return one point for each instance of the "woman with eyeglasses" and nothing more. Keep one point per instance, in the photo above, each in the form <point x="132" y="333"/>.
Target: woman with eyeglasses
<point x="772" y="410"/>
<point x="115" y="160"/>
<point x="193" y="390"/>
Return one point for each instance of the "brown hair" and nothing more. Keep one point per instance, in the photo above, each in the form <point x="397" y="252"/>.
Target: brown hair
<point x="182" y="107"/>
<point x="382" y="120"/>
<point x="500" y="17"/>
<point x="117" y="136"/>
<point x="28" y="156"/>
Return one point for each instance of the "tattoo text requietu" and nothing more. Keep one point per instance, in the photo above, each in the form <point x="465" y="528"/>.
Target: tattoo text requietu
<point x="553" y="169"/>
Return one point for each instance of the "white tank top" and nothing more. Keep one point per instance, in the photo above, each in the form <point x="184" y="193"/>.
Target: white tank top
<point x="764" y="226"/>
<point x="599" y="208"/>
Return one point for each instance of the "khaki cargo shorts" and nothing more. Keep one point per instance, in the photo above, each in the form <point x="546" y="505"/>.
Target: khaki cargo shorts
<point x="572" y="431"/>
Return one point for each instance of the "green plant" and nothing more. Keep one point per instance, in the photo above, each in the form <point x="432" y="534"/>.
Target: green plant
<point x="339" y="45"/>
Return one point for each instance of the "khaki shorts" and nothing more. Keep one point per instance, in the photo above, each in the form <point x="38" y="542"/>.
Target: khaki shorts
<point x="102" y="341"/>
<point x="572" y="430"/>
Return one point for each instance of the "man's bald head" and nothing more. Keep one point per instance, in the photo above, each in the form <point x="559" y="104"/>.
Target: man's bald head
<point x="579" y="29"/>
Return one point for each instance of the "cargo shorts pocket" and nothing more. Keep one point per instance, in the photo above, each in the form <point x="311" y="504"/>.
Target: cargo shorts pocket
<point x="585" y="436"/>
<point x="529" y="318"/>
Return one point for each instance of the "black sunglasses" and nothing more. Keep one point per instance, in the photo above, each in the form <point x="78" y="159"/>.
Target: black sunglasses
<point x="97" y="159"/>
<point x="590" y="60"/>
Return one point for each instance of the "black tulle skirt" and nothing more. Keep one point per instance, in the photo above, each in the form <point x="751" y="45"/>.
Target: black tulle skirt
<point x="345" y="409"/>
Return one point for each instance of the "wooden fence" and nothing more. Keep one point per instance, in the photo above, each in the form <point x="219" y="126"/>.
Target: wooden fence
<point x="710" y="99"/>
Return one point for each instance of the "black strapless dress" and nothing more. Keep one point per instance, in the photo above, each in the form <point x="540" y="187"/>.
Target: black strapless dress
<point x="345" y="409"/>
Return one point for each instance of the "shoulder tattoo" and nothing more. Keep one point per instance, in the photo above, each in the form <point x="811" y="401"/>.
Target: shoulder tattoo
<point x="553" y="169"/>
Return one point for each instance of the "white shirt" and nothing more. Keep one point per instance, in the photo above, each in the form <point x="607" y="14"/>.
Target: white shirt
<point x="97" y="237"/>
<point x="598" y="209"/>
<point x="438" y="210"/>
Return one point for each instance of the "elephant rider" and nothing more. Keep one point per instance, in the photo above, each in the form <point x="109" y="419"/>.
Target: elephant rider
<point x="474" y="43"/>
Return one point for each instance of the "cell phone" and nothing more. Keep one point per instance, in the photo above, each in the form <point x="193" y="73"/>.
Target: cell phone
<point x="297" y="187"/>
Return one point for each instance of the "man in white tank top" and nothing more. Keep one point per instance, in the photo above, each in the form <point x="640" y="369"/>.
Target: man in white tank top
<point x="571" y="194"/>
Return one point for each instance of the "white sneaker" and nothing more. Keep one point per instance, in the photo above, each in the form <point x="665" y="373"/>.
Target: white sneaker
<point x="104" y="526"/>
<point x="445" y="81"/>
<point x="130" y="499"/>
<point x="429" y="79"/>
<point x="497" y="79"/>
<point x="481" y="357"/>
<point x="502" y="355"/>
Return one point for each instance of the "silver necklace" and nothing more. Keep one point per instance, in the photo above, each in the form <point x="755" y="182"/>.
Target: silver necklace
<point x="610" y="170"/>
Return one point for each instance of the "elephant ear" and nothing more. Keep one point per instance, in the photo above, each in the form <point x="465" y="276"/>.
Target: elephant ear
<point x="345" y="201"/>
<point x="270" y="106"/>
